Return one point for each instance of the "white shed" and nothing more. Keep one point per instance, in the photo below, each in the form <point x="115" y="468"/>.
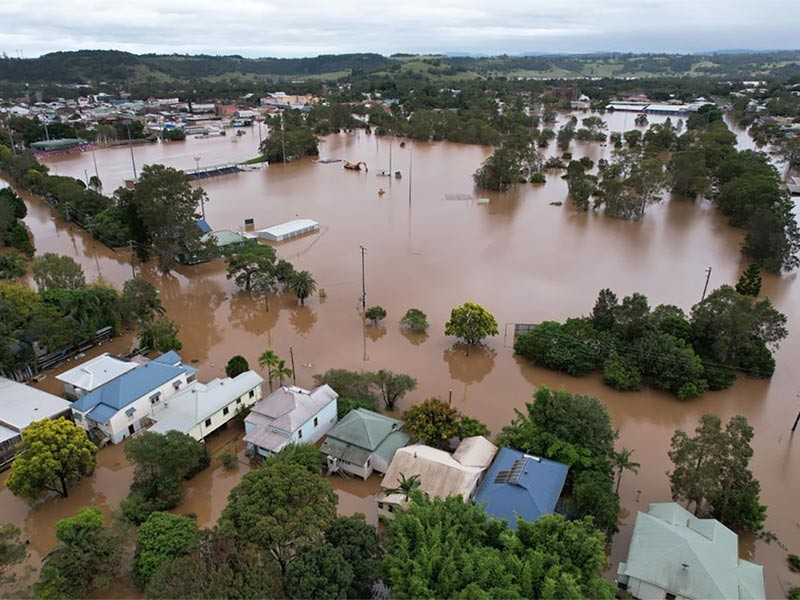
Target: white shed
<point x="288" y="230"/>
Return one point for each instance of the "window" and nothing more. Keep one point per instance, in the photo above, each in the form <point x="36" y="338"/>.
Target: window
<point x="316" y="421"/>
<point x="252" y="393"/>
<point x="225" y="411"/>
<point x="391" y="508"/>
<point x="368" y="463"/>
<point x="208" y="422"/>
<point x="155" y="397"/>
<point x="238" y="401"/>
<point x="380" y="504"/>
<point x="300" y="434"/>
<point x="129" y="412"/>
<point x="176" y="384"/>
<point x="669" y="596"/>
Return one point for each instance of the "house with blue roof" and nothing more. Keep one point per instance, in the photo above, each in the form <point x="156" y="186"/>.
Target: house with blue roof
<point x="124" y="405"/>
<point x="521" y="486"/>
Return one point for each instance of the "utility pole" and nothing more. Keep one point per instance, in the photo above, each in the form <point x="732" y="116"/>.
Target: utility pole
<point x="283" y="141"/>
<point x="363" y="281"/>
<point x="130" y="145"/>
<point x="410" y="171"/>
<point x="202" y="198"/>
<point x="294" y="371"/>
<point x="705" y="289"/>
<point x="133" y="269"/>
<point x="46" y="131"/>
<point x="94" y="160"/>
<point x="86" y="175"/>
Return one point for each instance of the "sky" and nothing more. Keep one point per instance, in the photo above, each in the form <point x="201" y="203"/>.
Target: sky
<point x="254" y="28"/>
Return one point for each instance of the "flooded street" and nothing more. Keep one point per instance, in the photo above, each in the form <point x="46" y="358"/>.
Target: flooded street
<point x="520" y="257"/>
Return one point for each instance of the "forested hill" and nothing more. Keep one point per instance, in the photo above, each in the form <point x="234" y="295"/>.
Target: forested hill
<point x="94" y="66"/>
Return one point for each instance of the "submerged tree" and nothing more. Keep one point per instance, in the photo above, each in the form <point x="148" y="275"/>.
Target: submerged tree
<point x="749" y="283"/>
<point x="471" y="322"/>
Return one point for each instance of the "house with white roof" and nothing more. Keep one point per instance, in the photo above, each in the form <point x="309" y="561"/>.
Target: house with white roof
<point x="290" y="415"/>
<point x="124" y="405"/>
<point x="677" y="556"/>
<point x="200" y="409"/>
<point x="92" y="374"/>
<point x="21" y="405"/>
<point x="440" y="474"/>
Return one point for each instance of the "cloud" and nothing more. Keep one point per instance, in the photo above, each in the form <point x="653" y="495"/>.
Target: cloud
<point x="271" y="28"/>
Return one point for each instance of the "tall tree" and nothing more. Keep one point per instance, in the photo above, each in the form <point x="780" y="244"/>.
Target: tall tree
<point x="711" y="470"/>
<point x="392" y="386"/>
<point x="268" y="360"/>
<point x="252" y="258"/>
<point x="623" y="462"/>
<point x="52" y="454"/>
<point x="54" y="271"/>
<point x="471" y="322"/>
<point x="162" y="537"/>
<point x="749" y="283"/>
<point x="140" y="301"/>
<point x="161" y="334"/>
<point x="302" y="285"/>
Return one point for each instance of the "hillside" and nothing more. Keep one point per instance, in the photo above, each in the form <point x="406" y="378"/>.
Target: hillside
<point x="94" y="66"/>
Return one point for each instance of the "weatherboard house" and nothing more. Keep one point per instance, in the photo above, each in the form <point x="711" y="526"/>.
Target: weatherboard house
<point x="124" y="405"/>
<point x="362" y="442"/>
<point x="290" y="415"/>
<point x="92" y="374"/>
<point x="521" y="486"/>
<point x="677" y="556"/>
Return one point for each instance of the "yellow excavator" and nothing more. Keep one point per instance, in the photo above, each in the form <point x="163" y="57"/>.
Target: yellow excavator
<point x="355" y="166"/>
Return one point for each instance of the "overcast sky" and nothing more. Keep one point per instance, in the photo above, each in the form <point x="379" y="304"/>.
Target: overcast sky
<point x="309" y="27"/>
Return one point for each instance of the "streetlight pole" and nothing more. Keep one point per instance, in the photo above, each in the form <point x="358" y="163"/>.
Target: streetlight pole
<point x="363" y="281"/>
<point x="705" y="289"/>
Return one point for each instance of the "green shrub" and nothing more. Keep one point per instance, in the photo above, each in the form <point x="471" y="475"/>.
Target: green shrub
<point x="538" y="178"/>
<point x="622" y="374"/>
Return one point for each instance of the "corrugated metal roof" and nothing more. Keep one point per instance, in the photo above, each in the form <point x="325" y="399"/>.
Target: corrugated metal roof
<point x="364" y="428"/>
<point x="533" y="492"/>
<point x="475" y="451"/>
<point x="696" y="558"/>
<point x="98" y="371"/>
<point x="21" y="404"/>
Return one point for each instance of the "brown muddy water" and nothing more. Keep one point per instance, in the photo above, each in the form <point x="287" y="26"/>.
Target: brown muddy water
<point x="522" y="258"/>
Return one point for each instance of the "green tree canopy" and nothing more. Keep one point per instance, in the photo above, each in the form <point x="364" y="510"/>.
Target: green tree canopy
<point x="302" y="285"/>
<point x="236" y="366"/>
<point x="161" y="334"/>
<point x="54" y="271"/>
<point x="162" y="537"/>
<point x="392" y="386"/>
<point x="471" y="322"/>
<point x="53" y="454"/>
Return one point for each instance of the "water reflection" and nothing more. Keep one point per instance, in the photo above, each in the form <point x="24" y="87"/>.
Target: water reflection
<point x="374" y="332"/>
<point x="302" y="319"/>
<point x="414" y="337"/>
<point x="469" y="364"/>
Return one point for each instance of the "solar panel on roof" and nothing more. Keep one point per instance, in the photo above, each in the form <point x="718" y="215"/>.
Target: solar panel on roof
<point x="512" y="475"/>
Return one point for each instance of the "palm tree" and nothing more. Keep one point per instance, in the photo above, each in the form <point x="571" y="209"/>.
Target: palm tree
<point x="268" y="360"/>
<point x="405" y="486"/>
<point x="622" y="462"/>
<point x="302" y="285"/>
<point x="281" y="370"/>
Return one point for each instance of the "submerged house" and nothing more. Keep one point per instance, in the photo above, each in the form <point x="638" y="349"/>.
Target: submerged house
<point x="124" y="405"/>
<point x="21" y="405"/>
<point x="521" y="486"/>
<point x="675" y="555"/>
<point x="200" y="409"/>
<point x="92" y="374"/>
<point x="440" y="474"/>
<point x="362" y="442"/>
<point x="290" y="415"/>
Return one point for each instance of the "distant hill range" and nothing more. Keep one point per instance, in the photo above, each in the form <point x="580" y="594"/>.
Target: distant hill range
<point x="94" y="66"/>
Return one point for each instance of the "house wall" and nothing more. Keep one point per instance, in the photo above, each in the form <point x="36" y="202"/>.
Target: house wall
<point x="200" y="431"/>
<point x="647" y="591"/>
<point x="117" y="426"/>
<point x="362" y="471"/>
<point x="311" y="434"/>
<point x="378" y="464"/>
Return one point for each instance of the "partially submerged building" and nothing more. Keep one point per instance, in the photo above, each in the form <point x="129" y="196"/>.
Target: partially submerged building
<point x="290" y="415"/>
<point x="124" y="405"/>
<point x="92" y="374"/>
<point x="440" y="474"/>
<point x="675" y="555"/>
<point x="200" y="409"/>
<point x="288" y="230"/>
<point x="362" y="442"/>
<point x="21" y="405"/>
<point x="521" y="486"/>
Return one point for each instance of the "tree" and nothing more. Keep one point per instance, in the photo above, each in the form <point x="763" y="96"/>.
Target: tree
<point x="471" y="322"/>
<point x="236" y="366"/>
<point x="287" y="142"/>
<point x="252" y="258"/>
<point x="53" y="271"/>
<point x="165" y="205"/>
<point x="750" y="281"/>
<point x="139" y="301"/>
<point x="391" y="386"/>
<point x="500" y="171"/>
<point x="712" y="471"/>
<point x="162" y="462"/>
<point x="319" y="573"/>
<point x="87" y="557"/>
<point x="12" y="266"/>
<point x="53" y="454"/>
<point x="593" y="495"/>
<point x="268" y="360"/>
<point x="571" y="347"/>
<point x="280" y="370"/>
<point x="450" y="549"/>
<point x="355" y="389"/>
<point x="433" y="421"/>
<point x="282" y="508"/>
<point x="375" y="314"/>
<point x="405" y="486"/>
<point x="622" y="462"/>
<point x="302" y="285"/>
<point x="12" y="551"/>
<point x="357" y="541"/>
<point x="415" y="320"/>
<point x="161" y="334"/>
<point x="219" y="567"/>
<point x="162" y="537"/>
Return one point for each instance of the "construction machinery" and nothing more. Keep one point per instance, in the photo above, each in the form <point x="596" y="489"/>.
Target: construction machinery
<point x="355" y="166"/>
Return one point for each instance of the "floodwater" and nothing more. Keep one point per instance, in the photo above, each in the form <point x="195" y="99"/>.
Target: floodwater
<point x="522" y="258"/>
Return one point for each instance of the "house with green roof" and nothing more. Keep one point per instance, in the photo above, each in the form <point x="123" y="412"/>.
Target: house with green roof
<point x="362" y="442"/>
<point x="675" y="555"/>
